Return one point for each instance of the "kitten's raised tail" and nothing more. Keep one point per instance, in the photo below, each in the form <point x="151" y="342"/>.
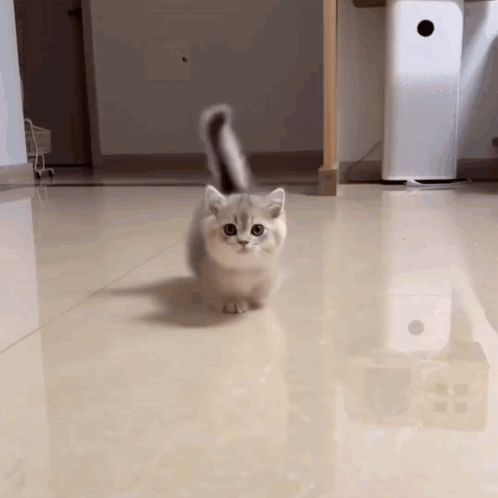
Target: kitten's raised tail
<point x="226" y="160"/>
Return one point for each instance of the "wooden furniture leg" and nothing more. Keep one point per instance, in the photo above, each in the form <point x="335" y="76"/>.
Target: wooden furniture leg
<point x="328" y="173"/>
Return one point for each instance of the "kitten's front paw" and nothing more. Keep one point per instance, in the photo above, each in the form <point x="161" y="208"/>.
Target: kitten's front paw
<point x="235" y="307"/>
<point x="258" y="304"/>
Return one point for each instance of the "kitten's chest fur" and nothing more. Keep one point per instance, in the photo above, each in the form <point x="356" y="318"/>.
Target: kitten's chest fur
<point x="236" y="282"/>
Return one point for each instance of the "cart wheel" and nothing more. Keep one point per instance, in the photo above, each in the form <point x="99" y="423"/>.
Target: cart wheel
<point x="38" y="175"/>
<point x="51" y="173"/>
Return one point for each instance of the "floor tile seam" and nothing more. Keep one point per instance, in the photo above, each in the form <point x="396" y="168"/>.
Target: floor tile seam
<point x="89" y="296"/>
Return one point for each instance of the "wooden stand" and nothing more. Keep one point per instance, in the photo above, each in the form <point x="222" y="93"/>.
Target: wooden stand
<point x="327" y="174"/>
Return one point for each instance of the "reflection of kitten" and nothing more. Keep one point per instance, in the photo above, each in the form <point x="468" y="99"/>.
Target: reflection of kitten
<point x="236" y="237"/>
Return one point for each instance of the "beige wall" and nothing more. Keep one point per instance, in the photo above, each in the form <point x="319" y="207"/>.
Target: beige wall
<point x="263" y="57"/>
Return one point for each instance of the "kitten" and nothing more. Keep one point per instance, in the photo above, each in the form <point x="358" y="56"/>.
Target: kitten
<point x="235" y="238"/>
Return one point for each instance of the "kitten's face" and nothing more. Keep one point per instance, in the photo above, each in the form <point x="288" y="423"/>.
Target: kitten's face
<point x="242" y="230"/>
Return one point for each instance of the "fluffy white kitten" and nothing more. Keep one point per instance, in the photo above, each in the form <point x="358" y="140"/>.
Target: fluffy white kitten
<point x="236" y="237"/>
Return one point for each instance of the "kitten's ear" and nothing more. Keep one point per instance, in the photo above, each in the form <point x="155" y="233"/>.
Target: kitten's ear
<point x="215" y="200"/>
<point x="276" y="202"/>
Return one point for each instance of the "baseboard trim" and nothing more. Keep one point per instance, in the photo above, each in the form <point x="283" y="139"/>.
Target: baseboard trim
<point x="296" y="167"/>
<point x="478" y="169"/>
<point x="382" y="3"/>
<point x="371" y="171"/>
<point x="302" y="163"/>
<point x="16" y="174"/>
<point x="364" y="172"/>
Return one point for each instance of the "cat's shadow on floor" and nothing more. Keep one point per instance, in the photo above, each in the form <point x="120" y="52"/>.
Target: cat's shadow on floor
<point x="179" y="302"/>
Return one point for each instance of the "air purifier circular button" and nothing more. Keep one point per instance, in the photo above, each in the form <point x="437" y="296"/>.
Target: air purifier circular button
<point x="425" y="28"/>
<point x="416" y="327"/>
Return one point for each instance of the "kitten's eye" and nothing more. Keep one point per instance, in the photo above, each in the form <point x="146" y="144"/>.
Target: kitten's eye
<point x="230" y="230"/>
<point x="257" y="230"/>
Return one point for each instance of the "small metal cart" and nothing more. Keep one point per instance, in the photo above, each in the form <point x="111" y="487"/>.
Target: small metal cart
<point x="38" y="143"/>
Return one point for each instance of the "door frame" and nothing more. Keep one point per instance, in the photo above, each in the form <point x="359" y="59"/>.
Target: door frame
<point x="91" y="84"/>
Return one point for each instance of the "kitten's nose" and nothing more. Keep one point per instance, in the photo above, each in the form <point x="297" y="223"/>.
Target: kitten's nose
<point x="243" y="242"/>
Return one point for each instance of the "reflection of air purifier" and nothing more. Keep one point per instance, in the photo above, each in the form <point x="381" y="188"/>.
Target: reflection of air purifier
<point x="417" y="323"/>
<point x="418" y="298"/>
<point x="424" y="49"/>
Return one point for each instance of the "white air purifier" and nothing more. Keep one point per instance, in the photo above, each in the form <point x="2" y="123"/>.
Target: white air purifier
<point x="424" y="52"/>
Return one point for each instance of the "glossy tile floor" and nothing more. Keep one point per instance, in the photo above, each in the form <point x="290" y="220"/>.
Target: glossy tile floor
<point x="373" y="374"/>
